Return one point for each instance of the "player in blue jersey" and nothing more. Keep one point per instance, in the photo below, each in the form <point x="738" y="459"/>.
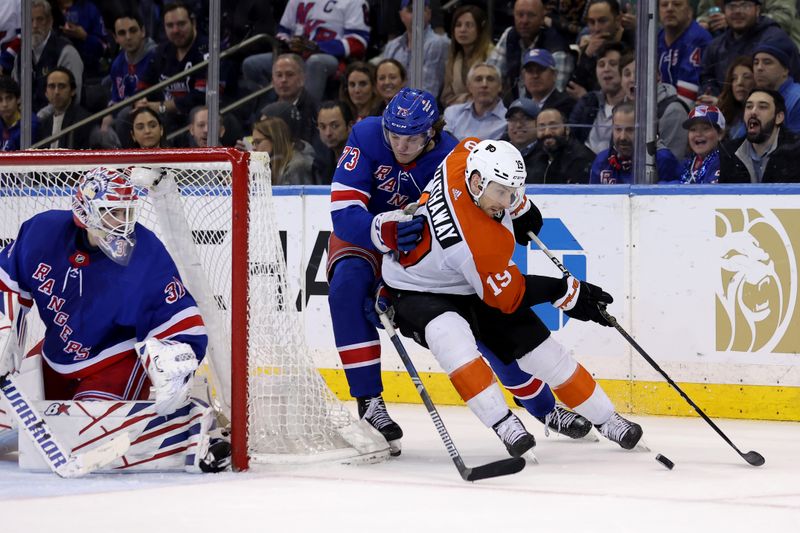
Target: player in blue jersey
<point x="118" y="319"/>
<point x="385" y="165"/>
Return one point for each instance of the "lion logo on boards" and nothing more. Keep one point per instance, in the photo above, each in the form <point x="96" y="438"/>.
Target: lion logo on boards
<point x="756" y="293"/>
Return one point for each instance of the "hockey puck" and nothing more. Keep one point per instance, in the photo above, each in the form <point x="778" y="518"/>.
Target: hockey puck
<point x="664" y="461"/>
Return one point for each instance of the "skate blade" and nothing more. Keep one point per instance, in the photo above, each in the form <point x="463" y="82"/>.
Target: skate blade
<point x="530" y="457"/>
<point x="394" y="448"/>
<point x="590" y="437"/>
<point x="641" y="446"/>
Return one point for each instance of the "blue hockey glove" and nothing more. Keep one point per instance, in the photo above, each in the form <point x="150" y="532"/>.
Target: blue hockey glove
<point x="396" y="231"/>
<point x="379" y="302"/>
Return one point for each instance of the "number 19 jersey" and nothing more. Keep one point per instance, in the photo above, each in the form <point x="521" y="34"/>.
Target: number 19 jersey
<point x="463" y="250"/>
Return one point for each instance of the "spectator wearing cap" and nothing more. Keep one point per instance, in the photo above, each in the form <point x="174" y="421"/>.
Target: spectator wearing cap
<point x="768" y="153"/>
<point x="435" y="50"/>
<point x="706" y="126"/>
<point x="558" y="157"/>
<point x="521" y="117"/>
<point x="539" y="79"/>
<point x="615" y="164"/>
<point x="771" y="71"/>
<point x="483" y="115"/>
<point x="746" y="30"/>
<point x="528" y="32"/>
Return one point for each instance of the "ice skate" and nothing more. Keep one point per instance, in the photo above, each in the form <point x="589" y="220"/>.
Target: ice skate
<point x="567" y="423"/>
<point x="624" y="432"/>
<point x="218" y="457"/>
<point x="373" y="410"/>
<point x="514" y="435"/>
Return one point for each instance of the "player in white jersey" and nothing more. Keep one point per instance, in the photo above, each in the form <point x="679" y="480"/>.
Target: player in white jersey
<point x="118" y="319"/>
<point x="325" y="32"/>
<point x="459" y="286"/>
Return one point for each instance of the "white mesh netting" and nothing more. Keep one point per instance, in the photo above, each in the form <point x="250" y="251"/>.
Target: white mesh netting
<point x="292" y="416"/>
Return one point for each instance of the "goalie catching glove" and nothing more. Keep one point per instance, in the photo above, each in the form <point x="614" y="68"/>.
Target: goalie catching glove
<point x="396" y="231"/>
<point x="170" y="366"/>
<point x="582" y="301"/>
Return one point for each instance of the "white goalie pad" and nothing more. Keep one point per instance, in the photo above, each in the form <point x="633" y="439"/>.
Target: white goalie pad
<point x="158" y="443"/>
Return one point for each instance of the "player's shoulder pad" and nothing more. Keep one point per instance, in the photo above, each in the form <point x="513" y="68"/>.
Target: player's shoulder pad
<point x="467" y="145"/>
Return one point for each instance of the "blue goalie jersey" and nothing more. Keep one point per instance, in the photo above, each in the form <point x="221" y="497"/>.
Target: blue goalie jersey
<point x="368" y="180"/>
<point x="94" y="310"/>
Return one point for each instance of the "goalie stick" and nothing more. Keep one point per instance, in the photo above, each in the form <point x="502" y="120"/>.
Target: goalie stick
<point x="753" y="458"/>
<point x="503" y="467"/>
<point x="57" y="457"/>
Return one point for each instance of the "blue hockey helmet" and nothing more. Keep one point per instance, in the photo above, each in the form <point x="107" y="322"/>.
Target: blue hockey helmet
<point x="410" y="111"/>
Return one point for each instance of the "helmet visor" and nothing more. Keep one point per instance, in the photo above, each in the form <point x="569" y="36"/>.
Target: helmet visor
<point x="502" y="195"/>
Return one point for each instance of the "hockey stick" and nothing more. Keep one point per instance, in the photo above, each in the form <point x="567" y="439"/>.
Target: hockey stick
<point x="52" y="451"/>
<point x="503" y="467"/>
<point x="753" y="458"/>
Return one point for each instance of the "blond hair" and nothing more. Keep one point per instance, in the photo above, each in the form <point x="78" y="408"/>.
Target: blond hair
<point x="276" y="130"/>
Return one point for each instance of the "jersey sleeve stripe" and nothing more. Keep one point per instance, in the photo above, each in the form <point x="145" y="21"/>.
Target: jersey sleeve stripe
<point x="9" y="285"/>
<point x="180" y="323"/>
<point x="339" y="188"/>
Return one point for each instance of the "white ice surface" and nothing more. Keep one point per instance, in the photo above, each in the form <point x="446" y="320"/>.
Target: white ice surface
<point x="578" y="486"/>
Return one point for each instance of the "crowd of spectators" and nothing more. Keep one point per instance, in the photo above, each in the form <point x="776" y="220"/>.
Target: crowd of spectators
<point x="555" y="78"/>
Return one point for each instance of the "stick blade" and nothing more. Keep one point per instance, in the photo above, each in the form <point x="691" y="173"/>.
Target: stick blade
<point x="754" y="458"/>
<point x="503" y="467"/>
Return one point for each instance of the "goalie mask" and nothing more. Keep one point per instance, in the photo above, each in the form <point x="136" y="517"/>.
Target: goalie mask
<point x="502" y="172"/>
<point x="106" y="205"/>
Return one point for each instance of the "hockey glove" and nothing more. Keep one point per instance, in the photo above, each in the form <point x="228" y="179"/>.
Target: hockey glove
<point x="582" y="301"/>
<point x="170" y="366"/>
<point x="529" y="219"/>
<point x="379" y="302"/>
<point x="396" y="231"/>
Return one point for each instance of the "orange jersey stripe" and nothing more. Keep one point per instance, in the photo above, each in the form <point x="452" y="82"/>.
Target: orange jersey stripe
<point x="490" y="242"/>
<point x="472" y="378"/>
<point x="577" y="389"/>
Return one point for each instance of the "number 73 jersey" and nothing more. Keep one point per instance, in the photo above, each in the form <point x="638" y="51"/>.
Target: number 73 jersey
<point x="463" y="250"/>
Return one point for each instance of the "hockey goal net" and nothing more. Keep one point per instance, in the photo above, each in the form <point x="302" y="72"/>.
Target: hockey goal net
<point x="213" y="209"/>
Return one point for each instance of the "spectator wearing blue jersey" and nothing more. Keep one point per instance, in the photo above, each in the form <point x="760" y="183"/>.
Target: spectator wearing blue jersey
<point x="706" y="126"/>
<point x="747" y="28"/>
<point x="681" y="43"/>
<point x="83" y="26"/>
<point x="771" y="71"/>
<point x="615" y="164"/>
<point x="483" y="115"/>
<point x="127" y="74"/>
<point x="10" y="115"/>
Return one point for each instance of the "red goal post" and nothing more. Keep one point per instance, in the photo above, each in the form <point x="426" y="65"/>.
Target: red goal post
<point x="214" y="212"/>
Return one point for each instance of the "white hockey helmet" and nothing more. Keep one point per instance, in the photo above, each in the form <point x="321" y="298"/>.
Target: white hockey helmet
<point x="499" y="162"/>
<point x="105" y="203"/>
